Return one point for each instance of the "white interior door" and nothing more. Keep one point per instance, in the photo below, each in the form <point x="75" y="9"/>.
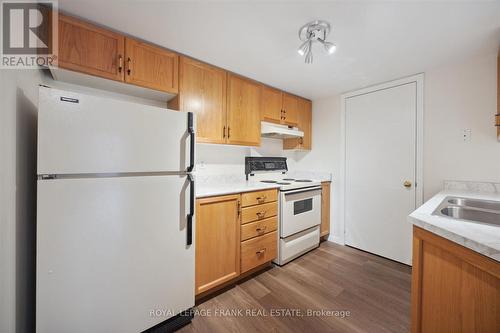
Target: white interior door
<point x="380" y="156"/>
<point x="110" y="251"/>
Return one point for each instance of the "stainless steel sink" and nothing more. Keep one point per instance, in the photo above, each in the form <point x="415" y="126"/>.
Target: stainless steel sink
<point x="483" y="204"/>
<point x="464" y="213"/>
<point x="482" y="211"/>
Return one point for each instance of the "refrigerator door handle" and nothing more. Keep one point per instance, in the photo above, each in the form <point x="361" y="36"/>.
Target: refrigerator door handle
<point x="192" y="141"/>
<point x="190" y="216"/>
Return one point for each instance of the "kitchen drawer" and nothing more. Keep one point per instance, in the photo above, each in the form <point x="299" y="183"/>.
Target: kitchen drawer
<point x="258" y="197"/>
<point x="258" y="250"/>
<point x="258" y="228"/>
<point x="259" y="212"/>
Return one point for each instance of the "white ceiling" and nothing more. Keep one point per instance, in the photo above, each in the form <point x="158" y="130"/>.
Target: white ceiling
<point x="377" y="41"/>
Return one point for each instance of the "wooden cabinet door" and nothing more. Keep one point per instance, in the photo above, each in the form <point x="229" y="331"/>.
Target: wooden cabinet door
<point x="243" y="111"/>
<point x="325" y="209"/>
<point x="202" y="91"/>
<point x="151" y="67"/>
<point x="272" y="105"/>
<point x="290" y="109"/>
<point x="217" y="254"/>
<point x="304" y="123"/>
<point x="89" y="49"/>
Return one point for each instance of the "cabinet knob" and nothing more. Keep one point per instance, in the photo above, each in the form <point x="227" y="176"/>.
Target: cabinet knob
<point x="261" y="214"/>
<point x="407" y="183"/>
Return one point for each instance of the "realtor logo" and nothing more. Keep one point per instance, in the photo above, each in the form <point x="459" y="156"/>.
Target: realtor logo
<point x="29" y="33"/>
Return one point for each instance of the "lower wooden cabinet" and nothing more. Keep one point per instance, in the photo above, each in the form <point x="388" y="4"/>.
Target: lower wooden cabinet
<point x="226" y="248"/>
<point x="454" y="289"/>
<point x="259" y="212"/>
<point x="325" y="209"/>
<point x="217" y="254"/>
<point x="258" y="228"/>
<point x="258" y="251"/>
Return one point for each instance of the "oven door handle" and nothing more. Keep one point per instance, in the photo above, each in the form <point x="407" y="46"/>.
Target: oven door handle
<point x="308" y="189"/>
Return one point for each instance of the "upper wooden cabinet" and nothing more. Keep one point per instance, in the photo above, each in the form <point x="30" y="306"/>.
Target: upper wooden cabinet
<point x="304" y="123"/>
<point x="151" y="67"/>
<point x="290" y="109"/>
<point x="202" y="90"/>
<point x="95" y="51"/>
<point x="272" y="105"/>
<point x="89" y="49"/>
<point x="243" y="111"/>
<point x="217" y="254"/>
<point x="497" y="116"/>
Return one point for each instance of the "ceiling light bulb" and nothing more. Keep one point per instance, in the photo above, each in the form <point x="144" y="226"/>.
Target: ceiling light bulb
<point x="303" y="48"/>
<point x="330" y="47"/>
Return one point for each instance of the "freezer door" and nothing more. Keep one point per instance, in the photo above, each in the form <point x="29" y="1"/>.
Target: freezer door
<point x="80" y="133"/>
<point x="112" y="253"/>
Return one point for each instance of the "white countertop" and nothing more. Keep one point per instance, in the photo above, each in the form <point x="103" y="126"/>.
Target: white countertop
<point x="212" y="185"/>
<point x="213" y="189"/>
<point x="479" y="237"/>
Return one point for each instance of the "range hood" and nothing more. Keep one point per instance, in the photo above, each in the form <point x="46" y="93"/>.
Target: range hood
<point x="270" y="130"/>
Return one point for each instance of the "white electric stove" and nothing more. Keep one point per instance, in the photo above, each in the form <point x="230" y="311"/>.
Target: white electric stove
<point x="299" y="206"/>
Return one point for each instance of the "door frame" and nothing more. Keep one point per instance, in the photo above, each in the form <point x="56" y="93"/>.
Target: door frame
<point x="419" y="180"/>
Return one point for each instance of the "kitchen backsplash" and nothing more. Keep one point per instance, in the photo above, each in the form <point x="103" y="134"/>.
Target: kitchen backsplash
<point x="226" y="163"/>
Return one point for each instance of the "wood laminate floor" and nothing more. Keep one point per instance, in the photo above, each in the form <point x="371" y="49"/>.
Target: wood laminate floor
<point x="375" y="291"/>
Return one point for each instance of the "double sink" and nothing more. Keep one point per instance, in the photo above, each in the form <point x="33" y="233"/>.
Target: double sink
<point x="482" y="211"/>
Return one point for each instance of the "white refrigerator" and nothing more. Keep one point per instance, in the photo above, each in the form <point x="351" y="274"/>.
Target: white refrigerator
<point x="115" y="212"/>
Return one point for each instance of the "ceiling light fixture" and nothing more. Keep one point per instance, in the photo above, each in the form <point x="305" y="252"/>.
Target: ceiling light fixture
<point x="315" y="31"/>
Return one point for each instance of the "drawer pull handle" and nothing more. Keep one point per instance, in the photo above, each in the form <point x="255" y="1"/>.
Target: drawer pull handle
<point x="262" y="199"/>
<point x="260" y="252"/>
<point x="261" y="230"/>
<point x="261" y="214"/>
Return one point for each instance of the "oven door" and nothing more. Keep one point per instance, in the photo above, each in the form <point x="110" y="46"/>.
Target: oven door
<point x="300" y="210"/>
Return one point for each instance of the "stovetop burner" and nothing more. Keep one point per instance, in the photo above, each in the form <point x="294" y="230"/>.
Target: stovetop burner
<point x="283" y="183"/>
<point x="269" y="181"/>
<point x="303" y="180"/>
<point x="289" y="179"/>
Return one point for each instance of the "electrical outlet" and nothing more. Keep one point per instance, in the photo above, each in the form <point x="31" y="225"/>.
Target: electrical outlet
<point x="466" y="134"/>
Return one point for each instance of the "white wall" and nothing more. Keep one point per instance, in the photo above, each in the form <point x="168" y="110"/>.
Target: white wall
<point x="458" y="96"/>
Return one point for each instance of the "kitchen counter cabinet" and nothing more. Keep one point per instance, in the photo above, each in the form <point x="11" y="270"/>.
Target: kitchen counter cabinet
<point x="217" y="253"/>
<point x="325" y="209"/>
<point x="454" y="289"/>
<point x="226" y="249"/>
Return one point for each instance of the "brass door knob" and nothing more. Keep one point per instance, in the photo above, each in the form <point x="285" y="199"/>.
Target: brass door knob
<point x="407" y="183"/>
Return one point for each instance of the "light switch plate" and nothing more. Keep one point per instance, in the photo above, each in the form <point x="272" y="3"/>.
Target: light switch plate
<point x="466" y="134"/>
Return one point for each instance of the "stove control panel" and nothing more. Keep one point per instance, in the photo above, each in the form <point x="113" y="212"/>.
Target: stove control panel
<point x="253" y="164"/>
